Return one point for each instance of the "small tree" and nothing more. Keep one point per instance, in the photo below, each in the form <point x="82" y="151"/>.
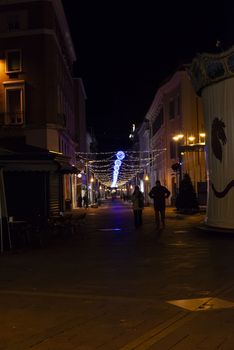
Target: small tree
<point x="186" y="200"/>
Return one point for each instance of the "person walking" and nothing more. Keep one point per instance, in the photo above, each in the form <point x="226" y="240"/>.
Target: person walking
<point x="159" y="193"/>
<point x="86" y="200"/>
<point x="137" y="205"/>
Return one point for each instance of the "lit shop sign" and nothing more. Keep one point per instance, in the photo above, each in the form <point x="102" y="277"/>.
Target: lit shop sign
<point x="118" y="162"/>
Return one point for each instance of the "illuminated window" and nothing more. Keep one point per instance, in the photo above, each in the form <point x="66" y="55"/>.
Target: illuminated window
<point x="14" y="97"/>
<point x="13" y="61"/>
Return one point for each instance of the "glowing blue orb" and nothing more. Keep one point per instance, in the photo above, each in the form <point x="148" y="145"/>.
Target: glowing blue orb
<point x="118" y="162"/>
<point x="120" y="155"/>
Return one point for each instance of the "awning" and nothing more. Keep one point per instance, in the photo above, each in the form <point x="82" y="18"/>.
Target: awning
<point x="30" y="158"/>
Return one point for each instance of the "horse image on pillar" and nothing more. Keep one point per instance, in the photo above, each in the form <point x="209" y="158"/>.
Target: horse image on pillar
<point x="213" y="79"/>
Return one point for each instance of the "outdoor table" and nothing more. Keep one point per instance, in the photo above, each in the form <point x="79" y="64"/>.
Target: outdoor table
<point x="19" y="233"/>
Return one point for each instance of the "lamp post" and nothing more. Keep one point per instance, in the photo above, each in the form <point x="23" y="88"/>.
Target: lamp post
<point x="87" y="175"/>
<point x="78" y="192"/>
<point x="177" y="139"/>
<point x="91" y="190"/>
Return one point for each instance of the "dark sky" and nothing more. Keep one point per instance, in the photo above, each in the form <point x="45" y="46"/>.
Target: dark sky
<point x="126" y="48"/>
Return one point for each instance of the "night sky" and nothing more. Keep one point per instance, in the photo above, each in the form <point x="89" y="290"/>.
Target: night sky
<point x="125" y="49"/>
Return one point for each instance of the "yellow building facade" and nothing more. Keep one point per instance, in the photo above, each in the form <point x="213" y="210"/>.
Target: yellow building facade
<point x="177" y="137"/>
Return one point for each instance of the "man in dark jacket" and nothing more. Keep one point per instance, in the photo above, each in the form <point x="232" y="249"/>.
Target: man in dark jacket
<point x="159" y="193"/>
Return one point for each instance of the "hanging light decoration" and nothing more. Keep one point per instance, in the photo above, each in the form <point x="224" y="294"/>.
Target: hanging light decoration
<point x="120" y="156"/>
<point x="117" y="168"/>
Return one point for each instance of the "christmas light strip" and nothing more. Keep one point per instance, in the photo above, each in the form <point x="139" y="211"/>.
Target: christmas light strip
<point x="130" y="159"/>
<point x="95" y="160"/>
<point x="125" y="152"/>
<point x="123" y="176"/>
<point x="105" y="169"/>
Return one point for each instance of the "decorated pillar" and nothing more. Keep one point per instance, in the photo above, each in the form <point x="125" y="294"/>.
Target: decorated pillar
<point x="213" y="79"/>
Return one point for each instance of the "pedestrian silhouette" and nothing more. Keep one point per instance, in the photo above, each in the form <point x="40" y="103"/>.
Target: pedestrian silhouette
<point x="159" y="193"/>
<point x="86" y="200"/>
<point x="137" y="206"/>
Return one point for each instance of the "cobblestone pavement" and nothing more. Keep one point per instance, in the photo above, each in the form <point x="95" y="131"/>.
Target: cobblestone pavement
<point x="111" y="287"/>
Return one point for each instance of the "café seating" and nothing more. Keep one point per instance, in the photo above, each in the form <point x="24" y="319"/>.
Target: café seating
<point x="39" y="231"/>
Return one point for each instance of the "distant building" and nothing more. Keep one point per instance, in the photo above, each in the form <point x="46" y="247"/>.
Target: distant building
<point x="80" y="116"/>
<point x="41" y="105"/>
<point x="177" y="126"/>
<point x="144" y="155"/>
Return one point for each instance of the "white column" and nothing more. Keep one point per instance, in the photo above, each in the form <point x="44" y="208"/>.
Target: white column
<point x="219" y="118"/>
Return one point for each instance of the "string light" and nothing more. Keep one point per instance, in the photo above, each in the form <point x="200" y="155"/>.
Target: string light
<point x="111" y="171"/>
<point x="114" y="153"/>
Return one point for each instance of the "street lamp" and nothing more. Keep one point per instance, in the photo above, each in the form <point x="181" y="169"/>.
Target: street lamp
<point x="147" y="189"/>
<point x="177" y="138"/>
<point x="91" y="189"/>
<point x="191" y="140"/>
<point x="202" y="138"/>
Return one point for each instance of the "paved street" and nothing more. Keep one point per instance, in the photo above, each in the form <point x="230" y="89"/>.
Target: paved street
<point x="112" y="287"/>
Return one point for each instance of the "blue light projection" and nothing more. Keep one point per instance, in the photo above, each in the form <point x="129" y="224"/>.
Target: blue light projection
<point x="120" y="155"/>
<point x="118" y="162"/>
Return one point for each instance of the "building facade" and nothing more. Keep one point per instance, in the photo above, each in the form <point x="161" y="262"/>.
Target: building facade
<point x="143" y="133"/>
<point x="177" y="135"/>
<point x="41" y="105"/>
